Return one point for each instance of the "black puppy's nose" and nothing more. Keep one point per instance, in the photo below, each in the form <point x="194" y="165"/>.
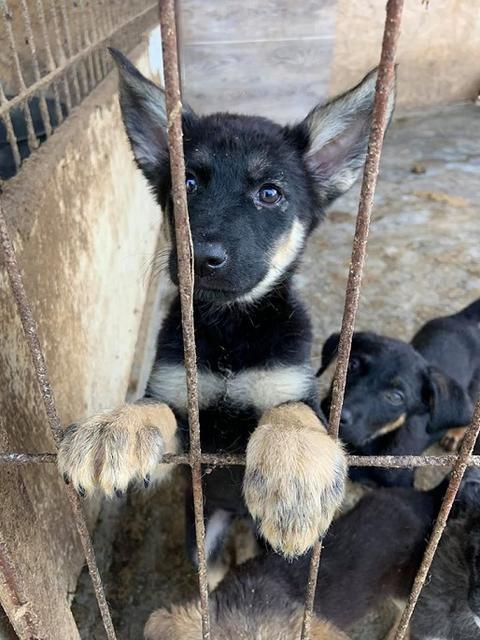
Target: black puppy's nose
<point x="346" y="418"/>
<point x="209" y="257"/>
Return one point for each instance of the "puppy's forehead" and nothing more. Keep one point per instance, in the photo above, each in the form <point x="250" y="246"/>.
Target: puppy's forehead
<point x="391" y="354"/>
<point x="232" y="134"/>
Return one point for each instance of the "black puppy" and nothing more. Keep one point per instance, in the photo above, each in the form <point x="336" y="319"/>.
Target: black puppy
<point x="449" y="605"/>
<point x="371" y="553"/>
<point x="401" y="397"/>
<point x="256" y="190"/>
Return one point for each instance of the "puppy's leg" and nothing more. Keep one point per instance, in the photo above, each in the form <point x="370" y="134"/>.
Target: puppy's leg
<point x="452" y="440"/>
<point x="294" y="478"/>
<point x="111" y="449"/>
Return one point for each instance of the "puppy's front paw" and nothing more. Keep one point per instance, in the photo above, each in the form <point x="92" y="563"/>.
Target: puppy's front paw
<point x="114" y="448"/>
<point x="452" y="440"/>
<point x="294" y="478"/>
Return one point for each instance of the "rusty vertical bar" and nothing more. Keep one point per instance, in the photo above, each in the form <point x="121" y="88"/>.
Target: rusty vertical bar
<point x="11" y="137"/>
<point x="98" y="32"/>
<point x="92" y="35"/>
<point x="7" y="20"/>
<point x="72" y="20"/>
<point x="35" y="66"/>
<point x="50" y="60"/>
<point x="87" y="42"/>
<point x="185" y="273"/>
<point x="384" y="87"/>
<point x="69" y="47"/>
<point x="31" y="334"/>
<point x="61" y="56"/>
<point x="84" y="41"/>
<point x="450" y="495"/>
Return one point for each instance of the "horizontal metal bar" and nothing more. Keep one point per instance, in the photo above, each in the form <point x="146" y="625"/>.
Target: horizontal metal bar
<point x="230" y="459"/>
<point x="19" y="99"/>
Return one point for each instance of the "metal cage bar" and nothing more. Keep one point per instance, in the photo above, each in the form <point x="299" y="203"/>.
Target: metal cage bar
<point x="384" y="88"/>
<point x="185" y="275"/>
<point x="450" y="495"/>
<point x="31" y="335"/>
<point x="238" y="459"/>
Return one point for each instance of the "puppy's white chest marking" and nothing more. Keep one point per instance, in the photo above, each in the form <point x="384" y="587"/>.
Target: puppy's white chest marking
<point x="260" y="388"/>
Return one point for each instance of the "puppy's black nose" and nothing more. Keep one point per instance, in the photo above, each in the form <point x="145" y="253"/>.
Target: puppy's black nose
<point x="209" y="257"/>
<point x="346" y="418"/>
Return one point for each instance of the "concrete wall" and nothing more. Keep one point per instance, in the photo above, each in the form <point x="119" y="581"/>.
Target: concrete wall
<point x="277" y="58"/>
<point x="85" y="228"/>
<point x="438" y="53"/>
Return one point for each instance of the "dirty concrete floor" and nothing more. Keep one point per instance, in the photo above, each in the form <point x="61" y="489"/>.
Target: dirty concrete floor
<point x="423" y="261"/>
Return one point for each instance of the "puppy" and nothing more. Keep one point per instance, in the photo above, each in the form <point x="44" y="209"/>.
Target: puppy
<point x="256" y="191"/>
<point x="371" y="553"/>
<point x="401" y="397"/>
<point x="449" y="605"/>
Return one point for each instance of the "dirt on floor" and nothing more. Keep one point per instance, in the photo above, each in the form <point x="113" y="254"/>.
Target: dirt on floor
<point x="423" y="261"/>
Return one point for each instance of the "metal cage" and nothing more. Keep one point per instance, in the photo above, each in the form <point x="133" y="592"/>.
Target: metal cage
<point x="75" y="64"/>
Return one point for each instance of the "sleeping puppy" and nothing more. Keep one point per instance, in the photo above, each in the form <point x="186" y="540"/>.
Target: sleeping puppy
<point x="372" y="552"/>
<point x="449" y="605"/>
<point x="256" y="191"/>
<point x="400" y="398"/>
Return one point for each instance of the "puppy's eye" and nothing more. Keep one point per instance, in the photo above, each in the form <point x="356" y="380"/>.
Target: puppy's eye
<point x="395" y="396"/>
<point x="191" y="183"/>
<point x="269" y="194"/>
<point x="354" y="365"/>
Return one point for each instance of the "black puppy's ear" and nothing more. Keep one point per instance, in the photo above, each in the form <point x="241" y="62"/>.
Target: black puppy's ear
<point x="338" y="137"/>
<point x="144" y="115"/>
<point x="450" y="405"/>
<point x="329" y="351"/>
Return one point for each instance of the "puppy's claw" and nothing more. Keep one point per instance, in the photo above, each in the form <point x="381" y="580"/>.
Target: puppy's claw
<point x="294" y="478"/>
<point x="66" y="479"/>
<point x="147" y="481"/>
<point x="116" y="448"/>
<point x="81" y="491"/>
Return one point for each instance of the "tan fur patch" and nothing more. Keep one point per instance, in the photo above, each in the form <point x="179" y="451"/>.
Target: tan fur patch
<point x="294" y="477"/>
<point x="391" y="426"/>
<point x="184" y="623"/>
<point x="452" y="440"/>
<point x="113" y="448"/>
<point x="284" y="253"/>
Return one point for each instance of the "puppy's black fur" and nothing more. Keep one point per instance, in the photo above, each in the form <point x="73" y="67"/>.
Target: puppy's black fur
<point x="401" y="397"/>
<point x="256" y="190"/>
<point x="449" y="605"/>
<point x="371" y="552"/>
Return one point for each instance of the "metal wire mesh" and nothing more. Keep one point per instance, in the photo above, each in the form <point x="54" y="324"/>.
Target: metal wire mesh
<point x="56" y="56"/>
<point x="72" y="66"/>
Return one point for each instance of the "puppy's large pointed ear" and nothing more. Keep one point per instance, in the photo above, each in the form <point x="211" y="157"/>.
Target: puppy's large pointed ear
<point x="338" y="135"/>
<point x="329" y="351"/>
<point x="144" y="115"/>
<point x="450" y="405"/>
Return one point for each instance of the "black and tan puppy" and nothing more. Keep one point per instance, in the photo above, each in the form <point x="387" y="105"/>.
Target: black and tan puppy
<point x="256" y="190"/>
<point x="400" y="398"/>
<point x="371" y="553"/>
<point x="449" y="605"/>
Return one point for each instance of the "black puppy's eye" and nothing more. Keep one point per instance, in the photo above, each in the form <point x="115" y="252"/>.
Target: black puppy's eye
<point x="191" y="183"/>
<point x="269" y="194"/>
<point x="353" y="365"/>
<point x="395" y="396"/>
